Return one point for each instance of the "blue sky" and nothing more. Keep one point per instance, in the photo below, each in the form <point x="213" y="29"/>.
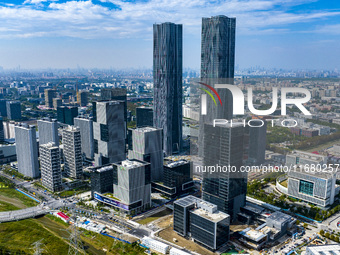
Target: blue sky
<point x="297" y="34"/>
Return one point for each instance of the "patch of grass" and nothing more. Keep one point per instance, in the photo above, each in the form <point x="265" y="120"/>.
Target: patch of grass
<point x="12" y="193"/>
<point x="69" y="193"/>
<point x="56" y="219"/>
<point x="155" y="216"/>
<point x="284" y="183"/>
<point x="21" y="235"/>
<point x="7" y="207"/>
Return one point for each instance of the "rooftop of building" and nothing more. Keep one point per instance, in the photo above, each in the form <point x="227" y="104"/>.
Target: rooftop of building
<point x="71" y="128"/>
<point x="187" y="201"/>
<point x="255" y="235"/>
<point x="330" y="249"/>
<point x="328" y="173"/>
<point x="306" y="155"/>
<point x="146" y="129"/>
<point x="254" y="208"/>
<point x="50" y="145"/>
<point x="101" y="169"/>
<point x="280" y="217"/>
<point x="175" y="163"/>
<point x="130" y="164"/>
<point x="203" y="208"/>
<point x="110" y="102"/>
<point x="48" y="120"/>
<point x="215" y="216"/>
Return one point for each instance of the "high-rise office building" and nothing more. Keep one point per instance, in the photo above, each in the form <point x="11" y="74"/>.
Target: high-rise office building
<point x="218" y="47"/>
<point x="167" y="77"/>
<point x="217" y="67"/>
<point x="66" y="114"/>
<point x="50" y="166"/>
<point x="2" y="133"/>
<point x="147" y="146"/>
<point x="82" y="97"/>
<point x="73" y="163"/>
<point x="114" y="94"/>
<point x="3" y="108"/>
<point x="224" y="146"/>
<point x="57" y="102"/>
<point x="13" y="110"/>
<point x="109" y="131"/>
<point x="27" y="150"/>
<point x="48" y="131"/>
<point x="132" y="184"/>
<point x="257" y="142"/>
<point x="86" y="134"/>
<point x="144" y="117"/>
<point x="49" y="95"/>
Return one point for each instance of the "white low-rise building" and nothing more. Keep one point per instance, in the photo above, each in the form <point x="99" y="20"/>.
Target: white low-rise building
<point x="155" y="245"/>
<point x="175" y="251"/>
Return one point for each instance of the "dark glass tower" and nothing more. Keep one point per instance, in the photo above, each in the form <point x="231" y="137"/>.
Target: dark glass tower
<point x="225" y="146"/>
<point x="218" y="47"/>
<point x="221" y="145"/>
<point x="167" y="77"/>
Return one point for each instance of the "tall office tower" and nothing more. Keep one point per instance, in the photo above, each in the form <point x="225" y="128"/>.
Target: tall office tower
<point x="49" y="95"/>
<point x="144" y="117"/>
<point x="225" y="146"/>
<point x="27" y="150"/>
<point x="86" y="135"/>
<point x="147" y="146"/>
<point x="132" y="185"/>
<point x="73" y="165"/>
<point x="50" y="166"/>
<point x="2" y="133"/>
<point x="167" y="77"/>
<point x="257" y="142"/>
<point x="109" y="131"/>
<point x="57" y="102"/>
<point x="101" y="179"/>
<point x="48" y="131"/>
<point x="3" y="108"/>
<point x="13" y="110"/>
<point x="82" y="97"/>
<point x="218" y="47"/>
<point x="9" y="129"/>
<point x="217" y="67"/>
<point x="114" y="94"/>
<point x="66" y="114"/>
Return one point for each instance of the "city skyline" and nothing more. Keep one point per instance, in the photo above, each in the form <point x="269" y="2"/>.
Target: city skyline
<point x="114" y="34"/>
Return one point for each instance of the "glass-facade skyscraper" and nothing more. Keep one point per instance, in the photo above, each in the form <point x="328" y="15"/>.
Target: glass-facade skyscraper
<point x="221" y="145"/>
<point x="167" y="77"/>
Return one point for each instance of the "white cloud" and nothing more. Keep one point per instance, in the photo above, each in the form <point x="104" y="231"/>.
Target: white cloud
<point x="85" y="19"/>
<point x="37" y="1"/>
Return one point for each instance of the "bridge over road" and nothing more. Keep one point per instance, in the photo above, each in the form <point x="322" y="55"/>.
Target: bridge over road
<point x="30" y="212"/>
